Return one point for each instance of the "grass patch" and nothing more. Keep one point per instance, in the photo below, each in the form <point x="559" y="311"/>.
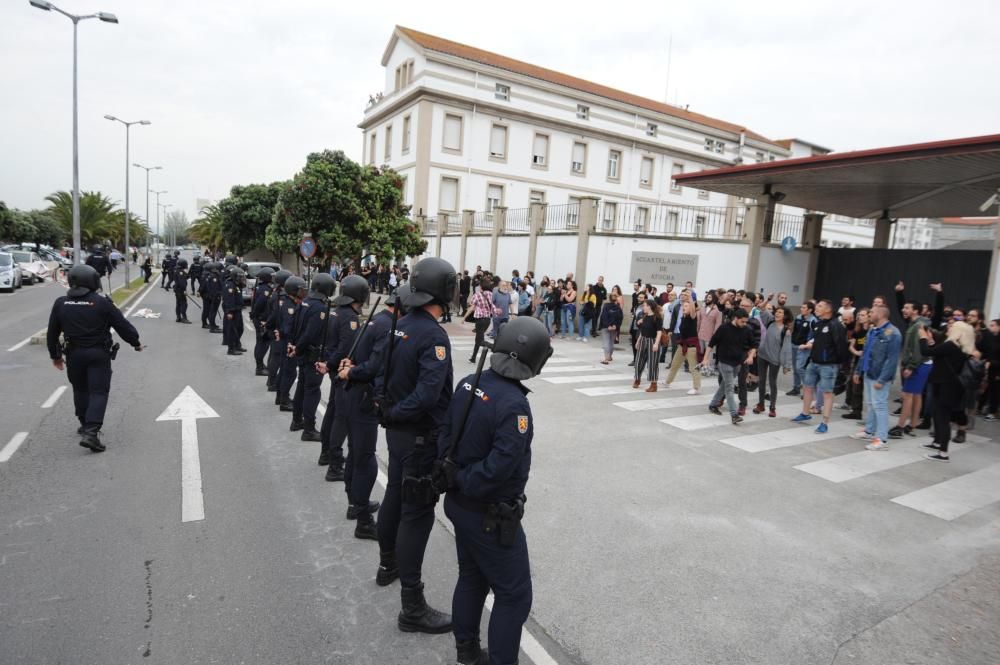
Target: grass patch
<point x="119" y="296"/>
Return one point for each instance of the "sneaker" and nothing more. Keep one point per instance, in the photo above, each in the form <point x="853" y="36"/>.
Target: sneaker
<point x="742" y="411"/>
<point x="877" y="445"/>
<point x="931" y="446"/>
<point x="666" y="386"/>
<point x="822" y="428"/>
<point x="853" y="415"/>
<point x="632" y="364"/>
<point x="924" y="424"/>
<point x="989" y="417"/>
<point x="896" y="433"/>
<point x="737" y="419"/>
<point x="801" y="418"/>
<point x="714" y="409"/>
<point x="813" y="410"/>
<point x="693" y="391"/>
<point x="897" y="411"/>
<point x="937" y="457"/>
<point x="772" y="413"/>
<point x="862" y="436"/>
<point x="959" y="438"/>
<point x="908" y="431"/>
<point x="759" y="408"/>
<point x="793" y="393"/>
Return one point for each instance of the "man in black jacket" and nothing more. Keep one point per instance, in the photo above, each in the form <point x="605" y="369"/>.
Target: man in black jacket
<point x="827" y="349"/>
<point x="602" y="294"/>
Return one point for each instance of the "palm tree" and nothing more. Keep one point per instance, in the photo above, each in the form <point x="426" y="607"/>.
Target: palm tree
<point x="96" y="214"/>
<point x="207" y="229"/>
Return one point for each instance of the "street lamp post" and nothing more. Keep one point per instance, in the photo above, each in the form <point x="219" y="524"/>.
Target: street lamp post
<point x="107" y="18"/>
<point x="170" y="232"/>
<point x="153" y="191"/>
<point x="128" y="126"/>
<point x="148" y="169"/>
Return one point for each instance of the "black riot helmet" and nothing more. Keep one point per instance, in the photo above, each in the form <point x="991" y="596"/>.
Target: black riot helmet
<point x="231" y="260"/>
<point x="177" y="252"/>
<point x="432" y="280"/>
<point x="96" y="249"/>
<point x="212" y="267"/>
<point x="82" y="280"/>
<point x="280" y="277"/>
<point x="182" y="263"/>
<point x="295" y="287"/>
<point x="521" y="348"/>
<point x="264" y="275"/>
<point x="353" y="289"/>
<point x="238" y="276"/>
<point x="391" y="300"/>
<point x="196" y="260"/>
<point x="323" y="286"/>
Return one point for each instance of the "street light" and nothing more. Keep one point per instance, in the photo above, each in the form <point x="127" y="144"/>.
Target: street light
<point x="107" y="18"/>
<point x="170" y="233"/>
<point x="148" y="169"/>
<point x="153" y="191"/>
<point x="128" y="126"/>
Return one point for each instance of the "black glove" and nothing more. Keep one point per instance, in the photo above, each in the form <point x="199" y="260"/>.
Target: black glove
<point x="382" y="408"/>
<point x="443" y="475"/>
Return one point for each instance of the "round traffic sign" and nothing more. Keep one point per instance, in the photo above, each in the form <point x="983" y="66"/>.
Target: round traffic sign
<point x="307" y="248"/>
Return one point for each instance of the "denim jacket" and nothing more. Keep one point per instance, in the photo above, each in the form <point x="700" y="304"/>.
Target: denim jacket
<point x="885" y="344"/>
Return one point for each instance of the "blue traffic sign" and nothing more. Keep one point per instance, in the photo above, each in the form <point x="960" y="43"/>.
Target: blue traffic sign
<point x="307" y="248"/>
<point x="788" y="244"/>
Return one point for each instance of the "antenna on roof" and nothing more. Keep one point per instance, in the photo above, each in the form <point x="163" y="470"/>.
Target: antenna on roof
<point x="670" y="50"/>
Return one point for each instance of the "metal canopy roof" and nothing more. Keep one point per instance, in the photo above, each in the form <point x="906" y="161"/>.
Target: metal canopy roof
<point x="940" y="179"/>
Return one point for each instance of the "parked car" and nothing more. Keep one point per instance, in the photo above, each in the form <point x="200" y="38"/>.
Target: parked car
<point x="252" y="269"/>
<point x="33" y="269"/>
<point x="47" y="254"/>
<point x="10" y="272"/>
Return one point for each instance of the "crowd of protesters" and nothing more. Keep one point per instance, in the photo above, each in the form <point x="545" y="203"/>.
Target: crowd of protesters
<point x="946" y="360"/>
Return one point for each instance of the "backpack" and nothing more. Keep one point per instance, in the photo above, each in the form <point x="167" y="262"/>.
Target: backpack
<point x="973" y="371"/>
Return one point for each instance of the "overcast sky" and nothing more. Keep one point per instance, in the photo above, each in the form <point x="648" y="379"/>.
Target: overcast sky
<point x="240" y="92"/>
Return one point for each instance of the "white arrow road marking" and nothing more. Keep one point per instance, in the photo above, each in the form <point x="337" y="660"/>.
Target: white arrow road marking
<point x="188" y="407"/>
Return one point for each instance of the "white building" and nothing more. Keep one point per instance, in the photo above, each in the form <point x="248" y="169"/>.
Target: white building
<point x="472" y="130"/>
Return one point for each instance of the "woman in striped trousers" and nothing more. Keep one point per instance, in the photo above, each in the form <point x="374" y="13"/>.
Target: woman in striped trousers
<point x="648" y="346"/>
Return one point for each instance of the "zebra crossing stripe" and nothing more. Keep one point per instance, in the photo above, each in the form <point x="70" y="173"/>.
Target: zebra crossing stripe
<point x="707" y="420"/>
<point x="573" y="368"/>
<point x="793" y="436"/>
<point x="956" y="497"/>
<point x="665" y="403"/>
<point x="601" y="391"/>
<point x="588" y="378"/>
<point x="865" y="462"/>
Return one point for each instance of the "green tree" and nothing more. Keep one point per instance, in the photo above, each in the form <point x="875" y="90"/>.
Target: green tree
<point x="351" y="211"/>
<point x="96" y="214"/>
<point x="39" y="226"/>
<point x="115" y="229"/>
<point x="6" y="221"/>
<point x="246" y="214"/>
<point x="207" y="229"/>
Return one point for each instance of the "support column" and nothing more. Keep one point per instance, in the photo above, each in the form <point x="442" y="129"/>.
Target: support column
<point x="588" y="222"/>
<point x="466" y="230"/>
<point x="536" y="225"/>
<point x="754" y="229"/>
<point x="883" y="229"/>
<point x="499" y="224"/>
<point x="993" y="285"/>
<point x="812" y="233"/>
<point x="442" y="224"/>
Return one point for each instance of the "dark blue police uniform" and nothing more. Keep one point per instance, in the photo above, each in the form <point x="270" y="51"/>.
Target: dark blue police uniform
<point x="493" y="458"/>
<point x="415" y="401"/>
<point x="180" y="294"/>
<point x="86" y="323"/>
<point x="100" y="263"/>
<point x="258" y="308"/>
<point x="232" y="306"/>
<point x="277" y="343"/>
<point x="194" y="274"/>
<point x="210" y="291"/>
<point x="343" y="325"/>
<point x="307" y="351"/>
<point x="288" y="324"/>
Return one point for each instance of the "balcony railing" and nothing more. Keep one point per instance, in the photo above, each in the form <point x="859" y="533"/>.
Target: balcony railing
<point x="482" y="221"/>
<point x="516" y="220"/>
<point x="720" y="223"/>
<point x="564" y="217"/>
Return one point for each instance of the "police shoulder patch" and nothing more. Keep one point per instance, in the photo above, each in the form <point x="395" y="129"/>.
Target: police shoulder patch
<point x="291" y="310"/>
<point x="354" y="325"/>
<point x="230" y="290"/>
<point x="440" y="352"/>
<point x="322" y="315"/>
<point x="522" y="424"/>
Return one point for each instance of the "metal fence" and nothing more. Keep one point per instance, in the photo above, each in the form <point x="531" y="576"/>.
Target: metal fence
<point x="482" y="221"/>
<point x="564" y="217"/>
<point x="451" y="223"/>
<point x="517" y="221"/>
<point x="672" y="220"/>
<point x="430" y="226"/>
<point x="787" y="224"/>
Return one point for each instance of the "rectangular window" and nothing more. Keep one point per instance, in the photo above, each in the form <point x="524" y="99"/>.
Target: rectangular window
<point x="409" y="72"/>
<point x="759" y="156"/>
<point x="540" y="150"/>
<point x="406" y="134"/>
<point x="610" y="214"/>
<point x="536" y="196"/>
<point x="398" y="74"/>
<point x="452" y="133"/>
<point x="573" y="212"/>
<point x="709" y="144"/>
<point x="494" y="198"/>
<point x="675" y="170"/>
<point x="673" y="219"/>
<point x="614" y="164"/>
<point x="449" y="194"/>
<point x="371" y="148"/>
<point x="646" y="172"/>
<point x="503" y="92"/>
<point x="720" y="147"/>
<point x="498" y="142"/>
<point x="579" y="164"/>
<point x="641" y="218"/>
<point x="582" y="112"/>
<point x="651" y="129"/>
<point x="699" y="226"/>
<point x="702" y="193"/>
<point x="388" y="142"/>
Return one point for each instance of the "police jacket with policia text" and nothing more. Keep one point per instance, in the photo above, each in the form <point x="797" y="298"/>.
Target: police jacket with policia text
<point x="417" y="395"/>
<point x="308" y="331"/>
<point x="494" y="454"/>
<point x="829" y="342"/>
<point x="86" y="321"/>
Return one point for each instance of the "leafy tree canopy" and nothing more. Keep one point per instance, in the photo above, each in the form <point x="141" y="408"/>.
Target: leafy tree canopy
<point x="246" y="213"/>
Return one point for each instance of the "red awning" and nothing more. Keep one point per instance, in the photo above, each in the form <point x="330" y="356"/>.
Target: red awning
<point x="940" y="179"/>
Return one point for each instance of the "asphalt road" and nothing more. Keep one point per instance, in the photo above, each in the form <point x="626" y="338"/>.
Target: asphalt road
<point x="651" y="541"/>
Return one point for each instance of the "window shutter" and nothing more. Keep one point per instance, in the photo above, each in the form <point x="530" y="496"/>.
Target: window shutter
<point x="452" y="132"/>
<point x="449" y="194"/>
<point x="540" y="150"/>
<point x="498" y="141"/>
<point x="646" y="171"/>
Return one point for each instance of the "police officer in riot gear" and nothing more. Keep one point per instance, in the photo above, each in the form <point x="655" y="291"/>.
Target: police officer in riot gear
<point x="306" y="348"/>
<point x="287" y="328"/>
<point x="258" y="307"/>
<point x="485" y="457"/>
<point x="211" y="296"/>
<point x="99" y="262"/>
<point x="413" y="392"/>
<point x="166" y="270"/>
<point x="85" y="320"/>
<point x="194" y="274"/>
<point x="232" y="305"/>
<point x="180" y="291"/>
<point x="275" y="303"/>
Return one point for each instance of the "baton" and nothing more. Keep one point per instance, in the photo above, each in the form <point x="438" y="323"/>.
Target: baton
<point x="191" y="298"/>
<point x="456" y="437"/>
<point x="361" y="333"/>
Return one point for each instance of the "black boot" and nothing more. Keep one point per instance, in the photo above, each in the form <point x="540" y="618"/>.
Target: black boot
<point x="185" y="320"/>
<point x="311" y="435"/>
<point x="470" y="653"/>
<point x="365" y="530"/>
<point x="419" y="617"/>
<point x="959" y="437"/>
<point x="272" y="389"/>
<point x="261" y="370"/>
<point x="388" y="572"/>
<point x="285" y="406"/>
<point x="295" y="426"/>
<point x="353" y="511"/>
<point x="335" y="474"/>
<point x="234" y="352"/>
<point x="324" y="459"/>
<point x="91" y="439"/>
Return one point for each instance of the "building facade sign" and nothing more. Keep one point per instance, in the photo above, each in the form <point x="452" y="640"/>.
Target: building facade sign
<point x="658" y="269"/>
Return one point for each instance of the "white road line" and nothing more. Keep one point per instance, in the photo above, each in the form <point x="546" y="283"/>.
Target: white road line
<point x="26" y="340"/>
<point x="707" y="420"/>
<point x="666" y="403"/>
<point x="54" y="397"/>
<point x="793" y="436"/>
<point x="560" y="361"/>
<point x="12" y="446"/>
<point x="865" y="462"/>
<point x="131" y="309"/>
<point x="574" y="368"/>
<point x="587" y="378"/>
<point x="958" y="496"/>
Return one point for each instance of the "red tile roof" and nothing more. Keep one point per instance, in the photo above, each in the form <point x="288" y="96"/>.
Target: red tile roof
<point x="969" y="221"/>
<point x="432" y="43"/>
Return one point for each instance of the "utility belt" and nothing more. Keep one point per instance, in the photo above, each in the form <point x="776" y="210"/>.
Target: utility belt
<point x="111" y="349"/>
<point x="501" y="518"/>
<point x="419" y="490"/>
